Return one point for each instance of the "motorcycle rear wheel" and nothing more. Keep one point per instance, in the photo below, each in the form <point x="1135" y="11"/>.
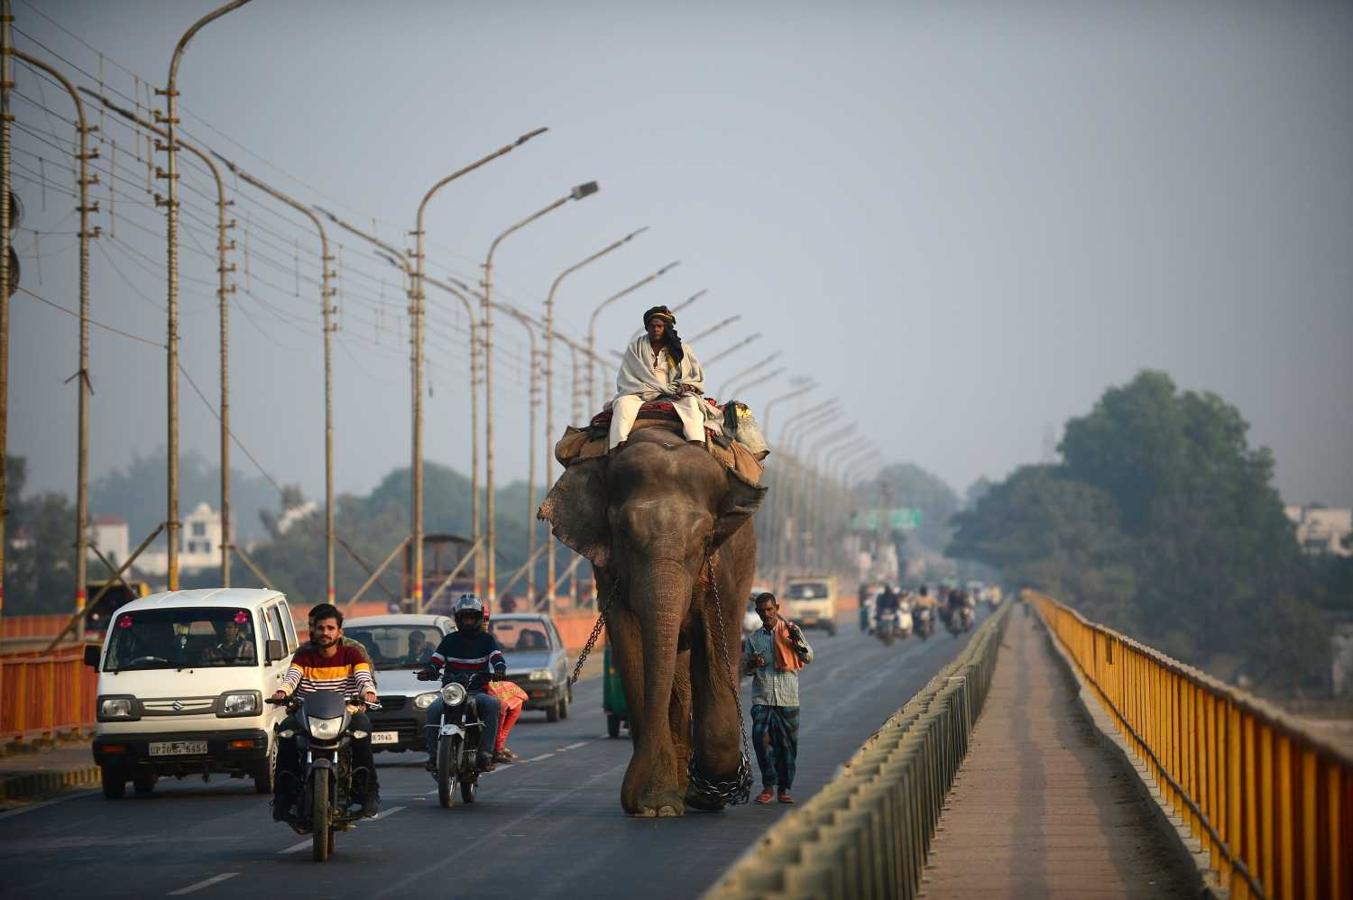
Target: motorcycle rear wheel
<point x="321" y="837"/>
<point x="446" y="773"/>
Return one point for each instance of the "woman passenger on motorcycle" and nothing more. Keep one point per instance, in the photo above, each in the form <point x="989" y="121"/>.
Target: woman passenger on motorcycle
<point x="470" y="648"/>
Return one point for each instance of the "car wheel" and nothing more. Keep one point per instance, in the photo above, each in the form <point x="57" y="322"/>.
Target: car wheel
<point x="114" y="783"/>
<point x="563" y="706"/>
<point x="552" y="713"/>
<point x="263" y="774"/>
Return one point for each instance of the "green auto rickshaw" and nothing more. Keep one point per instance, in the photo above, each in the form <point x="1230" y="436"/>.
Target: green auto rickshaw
<point x="613" y="697"/>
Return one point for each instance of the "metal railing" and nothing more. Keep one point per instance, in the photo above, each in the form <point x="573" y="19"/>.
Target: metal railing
<point x="47" y="695"/>
<point x="1269" y="802"/>
<point x="866" y="833"/>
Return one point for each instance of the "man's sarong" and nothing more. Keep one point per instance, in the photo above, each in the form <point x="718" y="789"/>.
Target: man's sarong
<point x="775" y="735"/>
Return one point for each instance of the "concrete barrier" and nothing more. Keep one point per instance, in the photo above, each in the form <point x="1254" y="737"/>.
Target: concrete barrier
<point x="866" y="833"/>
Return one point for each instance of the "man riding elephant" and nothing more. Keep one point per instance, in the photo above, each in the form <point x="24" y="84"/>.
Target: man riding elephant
<point x="668" y="531"/>
<point x="657" y="364"/>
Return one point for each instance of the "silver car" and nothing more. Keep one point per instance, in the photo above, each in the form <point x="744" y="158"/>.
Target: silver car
<point x="536" y="660"/>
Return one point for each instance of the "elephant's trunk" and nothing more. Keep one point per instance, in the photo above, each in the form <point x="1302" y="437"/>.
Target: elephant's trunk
<point x="659" y="596"/>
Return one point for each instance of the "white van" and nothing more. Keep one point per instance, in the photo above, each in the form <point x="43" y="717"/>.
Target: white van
<point x="182" y="679"/>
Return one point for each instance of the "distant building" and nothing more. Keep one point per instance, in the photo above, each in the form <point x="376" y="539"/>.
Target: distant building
<point x="200" y="541"/>
<point x="110" y="535"/>
<point x="1322" y="531"/>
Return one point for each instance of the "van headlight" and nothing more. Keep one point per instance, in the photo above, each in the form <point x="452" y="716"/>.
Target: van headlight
<point x="325" y="729"/>
<point x="240" y="703"/>
<point x="541" y="675"/>
<point x="112" y="709"/>
<point x="423" y="701"/>
<point x="453" y="694"/>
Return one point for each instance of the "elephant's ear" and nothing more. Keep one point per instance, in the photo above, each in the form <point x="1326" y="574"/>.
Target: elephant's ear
<point x="739" y="503"/>
<point x="576" y="510"/>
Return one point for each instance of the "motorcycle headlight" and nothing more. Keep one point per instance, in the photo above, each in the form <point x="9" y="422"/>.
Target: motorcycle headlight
<point x="112" y="708"/>
<point x="542" y="675"/>
<point x="240" y="703"/>
<point x="324" y="729"/>
<point x="453" y="694"/>
<point x="423" y="701"/>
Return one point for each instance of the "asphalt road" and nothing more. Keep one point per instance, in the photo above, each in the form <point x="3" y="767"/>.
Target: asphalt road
<point x="549" y="827"/>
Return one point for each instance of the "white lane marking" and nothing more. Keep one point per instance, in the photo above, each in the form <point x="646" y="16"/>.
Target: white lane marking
<point x="385" y="813"/>
<point x="540" y="757"/>
<point x="205" y="883"/>
<point x="297" y="848"/>
<point x="574" y="746"/>
<point x="55" y="800"/>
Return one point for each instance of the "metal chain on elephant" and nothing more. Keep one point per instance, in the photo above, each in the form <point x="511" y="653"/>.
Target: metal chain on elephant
<point x="737" y="791"/>
<point x="596" y="633"/>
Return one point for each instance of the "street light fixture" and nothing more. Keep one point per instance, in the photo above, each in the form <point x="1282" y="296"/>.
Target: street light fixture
<point x="579" y="192"/>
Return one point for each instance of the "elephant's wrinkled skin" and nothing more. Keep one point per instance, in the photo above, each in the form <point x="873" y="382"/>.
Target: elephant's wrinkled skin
<point x="649" y="518"/>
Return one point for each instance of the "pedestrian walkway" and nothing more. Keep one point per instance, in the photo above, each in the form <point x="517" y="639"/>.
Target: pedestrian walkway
<point x="39" y="773"/>
<point x="1041" y="807"/>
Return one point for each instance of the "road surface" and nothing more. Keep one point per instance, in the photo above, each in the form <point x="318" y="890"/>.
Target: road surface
<point x="549" y="827"/>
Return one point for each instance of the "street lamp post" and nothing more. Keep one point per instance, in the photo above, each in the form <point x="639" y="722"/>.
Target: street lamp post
<point x="733" y="349"/>
<point x="416" y="367"/>
<point x="82" y="130"/>
<point x="551" y="553"/>
<point x="533" y="403"/>
<point x="716" y="327"/>
<point x="799" y="391"/>
<point x="326" y="294"/>
<point x="727" y="390"/>
<point x="579" y="192"/>
<point x="592" y="329"/>
<point x="171" y="204"/>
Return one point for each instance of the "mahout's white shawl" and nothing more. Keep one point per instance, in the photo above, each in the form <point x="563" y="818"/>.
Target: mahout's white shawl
<point x="639" y="377"/>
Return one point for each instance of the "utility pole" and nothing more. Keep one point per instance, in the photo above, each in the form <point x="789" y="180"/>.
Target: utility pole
<point x="417" y="340"/>
<point x="223" y="291"/>
<point x="171" y="204"/>
<point x="551" y="556"/>
<point x="579" y="192"/>
<point x="83" y="388"/>
<point x="8" y="281"/>
<point x="326" y="294"/>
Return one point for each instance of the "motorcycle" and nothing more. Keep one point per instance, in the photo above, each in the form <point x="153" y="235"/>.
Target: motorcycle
<point x="886" y="627"/>
<point x="923" y="618"/>
<point x="959" y="620"/>
<point x="457" y="738"/>
<point x="324" y="736"/>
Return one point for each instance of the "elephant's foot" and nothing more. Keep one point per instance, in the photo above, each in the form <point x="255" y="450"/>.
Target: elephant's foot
<point x="664" y="805"/>
<point x="704" y="802"/>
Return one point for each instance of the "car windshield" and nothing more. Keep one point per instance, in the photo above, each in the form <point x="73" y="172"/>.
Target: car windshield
<point x="814" y="590"/>
<point x="182" y="638"/>
<point x="396" y="646"/>
<point x="521" y="634"/>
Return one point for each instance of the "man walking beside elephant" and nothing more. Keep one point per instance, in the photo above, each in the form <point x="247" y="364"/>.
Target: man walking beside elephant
<point x="773" y="655"/>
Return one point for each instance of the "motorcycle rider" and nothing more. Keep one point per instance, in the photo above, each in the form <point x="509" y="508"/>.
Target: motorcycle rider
<point x="470" y="648"/>
<point x="887" y="601"/>
<point x="326" y="664"/>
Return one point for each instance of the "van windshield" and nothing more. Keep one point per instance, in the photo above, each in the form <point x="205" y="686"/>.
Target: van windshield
<point x="807" y="590"/>
<point x="397" y="646"/>
<point x="182" y="638"/>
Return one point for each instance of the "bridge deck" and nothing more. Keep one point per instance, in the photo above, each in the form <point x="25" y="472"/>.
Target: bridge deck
<point x="1040" y="807"/>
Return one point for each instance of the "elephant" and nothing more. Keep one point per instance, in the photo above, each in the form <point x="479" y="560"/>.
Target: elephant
<point x="656" y="517"/>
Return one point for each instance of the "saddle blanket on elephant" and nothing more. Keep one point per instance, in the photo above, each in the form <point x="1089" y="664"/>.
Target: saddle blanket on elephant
<point x="580" y="444"/>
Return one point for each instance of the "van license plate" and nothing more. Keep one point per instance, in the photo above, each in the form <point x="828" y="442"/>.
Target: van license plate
<point x="178" y="748"/>
<point x="385" y="737"/>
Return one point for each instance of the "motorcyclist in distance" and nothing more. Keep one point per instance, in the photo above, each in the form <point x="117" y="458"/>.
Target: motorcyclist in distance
<point x="470" y="648"/>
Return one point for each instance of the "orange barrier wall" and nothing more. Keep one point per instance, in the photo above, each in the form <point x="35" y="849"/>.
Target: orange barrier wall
<point x="574" y="629"/>
<point x="46" y="695"/>
<point x="32" y="626"/>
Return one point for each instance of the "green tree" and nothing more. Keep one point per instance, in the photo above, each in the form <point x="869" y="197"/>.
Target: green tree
<point x="909" y="485"/>
<point x="40" y="562"/>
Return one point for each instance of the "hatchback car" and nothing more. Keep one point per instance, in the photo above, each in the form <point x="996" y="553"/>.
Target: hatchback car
<point x="400" y="645"/>
<point x="536" y="660"/>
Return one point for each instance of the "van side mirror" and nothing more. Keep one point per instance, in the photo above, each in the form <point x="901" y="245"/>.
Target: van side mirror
<point x="273" y="651"/>
<point x="92" y="655"/>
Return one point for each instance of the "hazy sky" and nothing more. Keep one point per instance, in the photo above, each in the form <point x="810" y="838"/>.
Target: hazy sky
<point x="965" y="220"/>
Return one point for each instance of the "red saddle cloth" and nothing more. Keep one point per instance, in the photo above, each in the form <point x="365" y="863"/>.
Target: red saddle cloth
<point x="653" y="409"/>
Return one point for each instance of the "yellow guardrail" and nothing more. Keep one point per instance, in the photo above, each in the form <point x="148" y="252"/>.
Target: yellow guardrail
<point x="865" y="834"/>
<point x="1270" y="803"/>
